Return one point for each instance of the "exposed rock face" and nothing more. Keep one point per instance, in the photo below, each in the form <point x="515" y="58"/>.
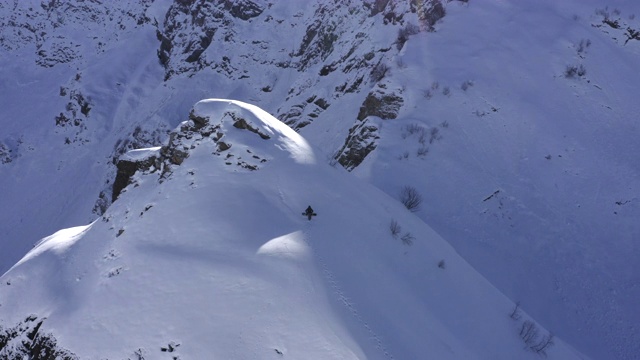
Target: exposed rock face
<point x="240" y="123"/>
<point x="301" y="115"/>
<point x="24" y="25"/>
<point x="6" y="154"/>
<point x="192" y="25"/>
<point x="335" y="41"/>
<point x="126" y="169"/>
<point x="26" y="340"/>
<point x="329" y="60"/>
<point x="381" y="103"/>
<point x="360" y="142"/>
<point x="189" y="135"/>
<point x="429" y="12"/>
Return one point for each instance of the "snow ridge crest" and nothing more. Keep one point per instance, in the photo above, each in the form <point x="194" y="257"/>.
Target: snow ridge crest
<point x="240" y="134"/>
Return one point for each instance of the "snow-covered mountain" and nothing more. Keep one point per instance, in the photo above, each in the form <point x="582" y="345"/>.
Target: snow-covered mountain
<point x="515" y="121"/>
<point x="206" y="252"/>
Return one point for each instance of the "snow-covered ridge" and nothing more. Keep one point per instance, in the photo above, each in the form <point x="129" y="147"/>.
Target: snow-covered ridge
<point x="233" y="131"/>
<point x="246" y="116"/>
<point x="514" y="120"/>
<point x="217" y="262"/>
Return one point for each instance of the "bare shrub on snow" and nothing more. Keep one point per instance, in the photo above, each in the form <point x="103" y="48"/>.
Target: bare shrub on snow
<point x="422" y="151"/>
<point x="394" y="228"/>
<point x="407" y="239"/>
<point x="466" y="85"/>
<point x="411" y="198"/>
<point x="572" y="71"/>
<point x="530" y="334"/>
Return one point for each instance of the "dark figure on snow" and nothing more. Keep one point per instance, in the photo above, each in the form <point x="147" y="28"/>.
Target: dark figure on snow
<point x="309" y="212"/>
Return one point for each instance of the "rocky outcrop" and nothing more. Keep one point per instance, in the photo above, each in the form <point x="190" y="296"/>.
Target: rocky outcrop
<point x="381" y="103"/>
<point x="429" y="12"/>
<point x="22" y="24"/>
<point x="7" y="154"/>
<point x="126" y="170"/>
<point x="76" y="110"/>
<point x="191" y="26"/>
<point x="27" y="340"/>
<point x="360" y="142"/>
<point x="198" y="130"/>
<point x="301" y="115"/>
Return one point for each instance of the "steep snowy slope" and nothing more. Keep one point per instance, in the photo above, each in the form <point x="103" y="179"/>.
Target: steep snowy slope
<point x="212" y="258"/>
<point x="515" y="120"/>
<point x="530" y="172"/>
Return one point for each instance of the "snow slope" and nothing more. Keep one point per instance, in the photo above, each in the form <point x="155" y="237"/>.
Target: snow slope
<point x="530" y="175"/>
<point x="216" y="261"/>
<point x="534" y="177"/>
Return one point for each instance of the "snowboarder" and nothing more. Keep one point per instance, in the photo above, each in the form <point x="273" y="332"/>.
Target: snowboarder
<point x="309" y="213"/>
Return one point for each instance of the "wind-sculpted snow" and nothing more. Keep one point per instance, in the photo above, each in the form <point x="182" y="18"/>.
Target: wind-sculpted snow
<point x="287" y="139"/>
<point x="57" y="243"/>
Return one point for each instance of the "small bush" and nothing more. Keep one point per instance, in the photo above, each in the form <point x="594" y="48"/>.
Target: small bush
<point x="411" y="198"/>
<point x="394" y="228"/>
<point x="446" y="91"/>
<point x="407" y="239"/>
<point x="422" y="151"/>
<point x="422" y="139"/>
<point x="572" y="70"/>
<point x="413" y="129"/>
<point x="466" y="85"/>
<point x="515" y="313"/>
<point x="441" y="264"/>
<point x="530" y="334"/>
<point x="582" y="46"/>
<point x="434" y="134"/>
<point x="543" y="345"/>
<point x="581" y="70"/>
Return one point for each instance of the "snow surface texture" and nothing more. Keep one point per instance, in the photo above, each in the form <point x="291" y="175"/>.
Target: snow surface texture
<point x="216" y="261"/>
<point x="526" y="167"/>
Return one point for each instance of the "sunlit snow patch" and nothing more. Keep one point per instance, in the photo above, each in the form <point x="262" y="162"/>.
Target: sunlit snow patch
<point x="290" y="246"/>
<point x="58" y="243"/>
<point x="141" y="154"/>
<point x="288" y="139"/>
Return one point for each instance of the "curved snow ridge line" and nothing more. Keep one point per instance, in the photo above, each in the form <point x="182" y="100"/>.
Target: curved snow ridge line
<point x="58" y="243"/>
<point x="337" y="290"/>
<point x="290" y="141"/>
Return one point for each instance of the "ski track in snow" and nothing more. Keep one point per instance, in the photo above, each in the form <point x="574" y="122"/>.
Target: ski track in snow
<point x="338" y="292"/>
<point x="342" y="298"/>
